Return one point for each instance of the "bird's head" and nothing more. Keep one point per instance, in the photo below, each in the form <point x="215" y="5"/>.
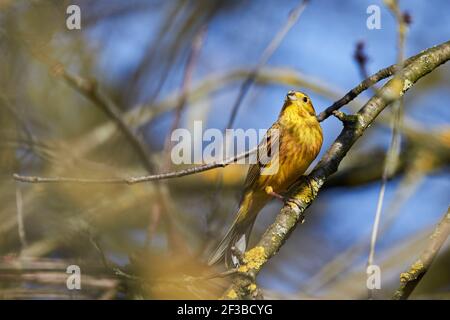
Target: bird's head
<point x="298" y="103"/>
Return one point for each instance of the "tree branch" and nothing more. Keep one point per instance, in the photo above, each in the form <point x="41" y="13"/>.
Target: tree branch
<point x="305" y="191"/>
<point x="89" y="89"/>
<point x="268" y="52"/>
<point x="410" y="278"/>
<point x="366" y="84"/>
<point x="133" y="180"/>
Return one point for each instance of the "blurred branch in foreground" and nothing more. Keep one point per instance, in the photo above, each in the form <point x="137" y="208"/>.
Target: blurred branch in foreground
<point x="50" y="276"/>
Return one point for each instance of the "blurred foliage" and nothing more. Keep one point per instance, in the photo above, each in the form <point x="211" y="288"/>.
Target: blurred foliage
<point x="157" y="236"/>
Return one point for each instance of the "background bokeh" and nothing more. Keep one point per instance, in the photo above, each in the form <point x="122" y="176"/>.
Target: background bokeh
<point x="136" y="53"/>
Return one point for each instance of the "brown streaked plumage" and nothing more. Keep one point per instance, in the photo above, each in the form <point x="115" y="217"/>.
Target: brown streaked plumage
<point x="299" y="142"/>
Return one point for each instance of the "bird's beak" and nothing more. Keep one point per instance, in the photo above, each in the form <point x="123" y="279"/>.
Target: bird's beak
<point x="291" y="96"/>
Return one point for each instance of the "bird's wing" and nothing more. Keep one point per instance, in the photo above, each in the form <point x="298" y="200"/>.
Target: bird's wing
<point x="269" y="145"/>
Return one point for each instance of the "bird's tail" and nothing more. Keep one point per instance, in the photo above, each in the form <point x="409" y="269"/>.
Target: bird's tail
<point x="238" y="235"/>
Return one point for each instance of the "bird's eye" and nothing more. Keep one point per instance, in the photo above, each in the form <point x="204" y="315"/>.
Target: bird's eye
<point x="305" y="99"/>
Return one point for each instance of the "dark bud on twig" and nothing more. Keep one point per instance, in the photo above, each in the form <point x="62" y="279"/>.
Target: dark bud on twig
<point x="407" y="19"/>
<point x="360" y="56"/>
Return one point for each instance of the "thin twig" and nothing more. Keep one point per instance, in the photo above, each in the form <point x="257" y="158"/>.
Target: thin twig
<point x="392" y="156"/>
<point x="133" y="180"/>
<point x="268" y="52"/>
<point x="361" y="59"/>
<point x="366" y="84"/>
<point x="336" y="267"/>
<point x="373" y="237"/>
<point x="20" y="222"/>
<point x="109" y="266"/>
<point x="194" y="53"/>
<point x="89" y="89"/>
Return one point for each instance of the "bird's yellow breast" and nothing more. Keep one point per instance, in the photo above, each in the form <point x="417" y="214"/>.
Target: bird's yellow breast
<point x="299" y="142"/>
<point x="298" y="146"/>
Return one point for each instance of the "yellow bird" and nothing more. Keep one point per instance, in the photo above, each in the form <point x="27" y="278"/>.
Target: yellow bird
<point x="299" y="139"/>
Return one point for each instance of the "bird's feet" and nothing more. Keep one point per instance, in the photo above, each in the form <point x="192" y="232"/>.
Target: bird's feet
<point x="270" y="192"/>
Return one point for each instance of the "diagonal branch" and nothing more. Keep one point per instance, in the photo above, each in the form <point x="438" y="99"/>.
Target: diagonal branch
<point x="410" y="278"/>
<point x="366" y="84"/>
<point x="90" y="90"/>
<point x="305" y="191"/>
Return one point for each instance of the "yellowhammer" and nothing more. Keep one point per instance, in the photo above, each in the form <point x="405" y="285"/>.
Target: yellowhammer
<point x="299" y="141"/>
